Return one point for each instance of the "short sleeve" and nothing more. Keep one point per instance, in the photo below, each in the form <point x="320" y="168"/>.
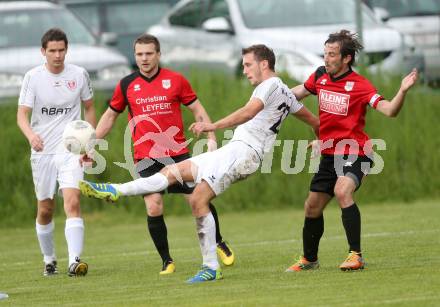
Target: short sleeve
<point x="86" y="90"/>
<point x="372" y="96"/>
<point x="27" y="92"/>
<point x="187" y="95"/>
<point x="374" y="100"/>
<point x="310" y="83"/>
<point x="265" y="89"/>
<point x="296" y="105"/>
<point x="118" y="101"/>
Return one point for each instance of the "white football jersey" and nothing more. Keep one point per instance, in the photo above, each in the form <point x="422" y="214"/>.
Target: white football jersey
<point x="55" y="100"/>
<point x="260" y="132"/>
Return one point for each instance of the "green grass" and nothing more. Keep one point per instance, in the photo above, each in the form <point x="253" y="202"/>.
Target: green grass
<point x="401" y="243"/>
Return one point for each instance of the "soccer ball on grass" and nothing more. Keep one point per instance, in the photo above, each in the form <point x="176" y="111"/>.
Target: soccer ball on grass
<point x="79" y="137"/>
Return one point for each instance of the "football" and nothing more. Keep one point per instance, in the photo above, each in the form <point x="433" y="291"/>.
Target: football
<point x="79" y="137"/>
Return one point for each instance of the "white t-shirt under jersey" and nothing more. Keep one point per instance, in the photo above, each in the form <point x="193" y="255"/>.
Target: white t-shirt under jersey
<point x="260" y="132"/>
<point x="55" y="100"/>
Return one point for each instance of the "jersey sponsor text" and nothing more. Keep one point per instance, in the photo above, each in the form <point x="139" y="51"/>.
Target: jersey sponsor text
<point x="143" y="100"/>
<point x="55" y="111"/>
<point x="157" y="107"/>
<point x="332" y="102"/>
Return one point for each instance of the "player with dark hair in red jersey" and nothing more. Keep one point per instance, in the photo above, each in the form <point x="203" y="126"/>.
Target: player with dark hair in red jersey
<point x="343" y="97"/>
<point x="153" y="96"/>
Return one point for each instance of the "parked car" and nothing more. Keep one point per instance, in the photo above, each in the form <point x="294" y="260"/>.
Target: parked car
<point x="119" y="22"/>
<point x="21" y="26"/>
<point x="210" y="33"/>
<point x="421" y="20"/>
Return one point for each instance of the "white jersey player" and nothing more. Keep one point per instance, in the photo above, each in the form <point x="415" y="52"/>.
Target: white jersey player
<point x="55" y="100"/>
<point x="258" y="123"/>
<point x="54" y="93"/>
<point x="252" y="139"/>
<point x="278" y="101"/>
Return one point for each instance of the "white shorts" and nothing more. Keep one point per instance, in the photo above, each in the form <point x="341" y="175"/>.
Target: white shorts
<point x="224" y="166"/>
<point x="48" y="169"/>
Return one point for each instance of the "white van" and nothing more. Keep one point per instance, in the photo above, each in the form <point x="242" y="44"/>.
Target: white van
<point x="419" y="19"/>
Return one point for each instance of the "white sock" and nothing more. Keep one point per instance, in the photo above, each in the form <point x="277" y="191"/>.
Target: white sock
<point x="156" y="183"/>
<point x="45" y="238"/>
<point x="208" y="245"/>
<point x="74" y="232"/>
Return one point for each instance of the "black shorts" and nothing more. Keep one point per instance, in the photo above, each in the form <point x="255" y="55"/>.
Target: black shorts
<point x="148" y="167"/>
<point x="331" y="167"/>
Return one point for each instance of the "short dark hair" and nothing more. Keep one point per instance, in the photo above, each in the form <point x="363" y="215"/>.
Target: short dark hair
<point x="261" y="53"/>
<point x="348" y="42"/>
<point x="147" y="39"/>
<point x="53" y="34"/>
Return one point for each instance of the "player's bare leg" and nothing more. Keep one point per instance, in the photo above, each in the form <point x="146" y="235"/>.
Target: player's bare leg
<point x="184" y="171"/>
<point x="45" y="211"/>
<point x="344" y="190"/>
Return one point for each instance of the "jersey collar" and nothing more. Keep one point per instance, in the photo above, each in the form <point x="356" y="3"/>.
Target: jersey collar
<point x="341" y="76"/>
<point x="149" y="80"/>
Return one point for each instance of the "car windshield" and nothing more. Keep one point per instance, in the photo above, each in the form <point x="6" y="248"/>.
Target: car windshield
<point x="403" y="8"/>
<point x="134" y="17"/>
<point x="24" y="28"/>
<point x="300" y="13"/>
<point x="88" y="13"/>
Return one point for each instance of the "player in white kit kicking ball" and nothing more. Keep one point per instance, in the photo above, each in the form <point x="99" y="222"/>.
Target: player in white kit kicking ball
<point x="213" y="172"/>
<point x="52" y="93"/>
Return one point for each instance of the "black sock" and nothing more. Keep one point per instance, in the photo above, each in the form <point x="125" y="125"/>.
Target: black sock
<point x="312" y="233"/>
<point x="351" y="218"/>
<point x="158" y="233"/>
<point x="218" y="236"/>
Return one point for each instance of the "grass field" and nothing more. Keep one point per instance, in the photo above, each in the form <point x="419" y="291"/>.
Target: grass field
<point x="401" y="244"/>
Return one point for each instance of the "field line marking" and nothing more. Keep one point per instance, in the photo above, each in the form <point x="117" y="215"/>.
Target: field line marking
<point x="271" y="242"/>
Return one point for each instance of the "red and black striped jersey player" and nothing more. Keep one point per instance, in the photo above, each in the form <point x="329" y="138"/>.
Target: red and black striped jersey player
<point x="346" y="151"/>
<point x="153" y="97"/>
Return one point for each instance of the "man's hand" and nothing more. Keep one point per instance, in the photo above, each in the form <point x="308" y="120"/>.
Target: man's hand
<point x="409" y="80"/>
<point x="86" y="160"/>
<point x="199" y="127"/>
<point x="36" y="142"/>
<point x="316" y="149"/>
<point x="212" y="144"/>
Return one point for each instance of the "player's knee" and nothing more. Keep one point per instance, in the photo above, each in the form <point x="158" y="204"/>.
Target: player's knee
<point x="45" y="213"/>
<point x="171" y="173"/>
<point x="343" y="195"/>
<point x="193" y="202"/>
<point x="311" y="209"/>
<point x="198" y="206"/>
<point x="154" y="208"/>
<point x="72" y="206"/>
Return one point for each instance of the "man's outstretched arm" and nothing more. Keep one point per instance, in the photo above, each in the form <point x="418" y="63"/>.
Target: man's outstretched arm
<point x="392" y="108"/>
<point x="236" y="118"/>
<point x="106" y="123"/>
<point x="200" y="115"/>
<point x="300" y="92"/>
